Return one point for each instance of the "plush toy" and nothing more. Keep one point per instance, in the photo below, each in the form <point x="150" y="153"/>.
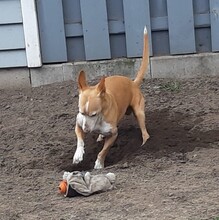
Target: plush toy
<point x="83" y="183"/>
<point x="63" y="187"/>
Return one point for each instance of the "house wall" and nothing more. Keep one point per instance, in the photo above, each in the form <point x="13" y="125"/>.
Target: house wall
<point x="12" y="44"/>
<point x="85" y="30"/>
<point x="97" y="30"/>
<point x="19" y="35"/>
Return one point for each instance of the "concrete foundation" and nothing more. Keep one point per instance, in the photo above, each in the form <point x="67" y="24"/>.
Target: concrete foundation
<point x="198" y="65"/>
<point x="14" y="78"/>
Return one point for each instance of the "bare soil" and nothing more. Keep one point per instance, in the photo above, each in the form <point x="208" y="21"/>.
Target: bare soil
<point x="174" y="176"/>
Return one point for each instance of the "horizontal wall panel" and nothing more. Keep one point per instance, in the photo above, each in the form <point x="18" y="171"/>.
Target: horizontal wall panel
<point x="10" y="12"/>
<point x="202" y="20"/>
<point x="13" y="58"/>
<point x="136" y="16"/>
<point x="72" y="18"/>
<point x="116" y="27"/>
<point x="115" y="15"/>
<point x="73" y="30"/>
<point x="159" y="24"/>
<point x="11" y="37"/>
<point x="95" y="29"/>
<point x="181" y="26"/>
<point x="214" y="10"/>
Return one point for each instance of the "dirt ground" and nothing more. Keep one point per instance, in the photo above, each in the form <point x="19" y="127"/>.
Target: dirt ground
<point x="174" y="176"/>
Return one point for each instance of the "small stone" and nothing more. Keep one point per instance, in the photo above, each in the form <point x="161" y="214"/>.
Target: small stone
<point x="125" y="165"/>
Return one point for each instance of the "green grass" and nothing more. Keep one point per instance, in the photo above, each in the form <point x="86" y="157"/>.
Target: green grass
<point x="172" y="86"/>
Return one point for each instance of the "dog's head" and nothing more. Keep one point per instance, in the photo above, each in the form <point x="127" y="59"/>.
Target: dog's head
<point x="90" y="103"/>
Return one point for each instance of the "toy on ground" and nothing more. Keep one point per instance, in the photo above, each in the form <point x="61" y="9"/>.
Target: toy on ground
<point x="63" y="186"/>
<point x="84" y="183"/>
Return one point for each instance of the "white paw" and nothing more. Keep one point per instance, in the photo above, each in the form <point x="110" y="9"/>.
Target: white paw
<point x="98" y="164"/>
<point x="100" y="138"/>
<point x="78" y="157"/>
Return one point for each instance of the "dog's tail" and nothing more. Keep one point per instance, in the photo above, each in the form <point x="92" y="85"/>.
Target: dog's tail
<point x="145" y="60"/>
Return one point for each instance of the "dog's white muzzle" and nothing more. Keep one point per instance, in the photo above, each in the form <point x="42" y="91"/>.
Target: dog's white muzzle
<point x="94" y="123"/>
<point x="87" y="123"/>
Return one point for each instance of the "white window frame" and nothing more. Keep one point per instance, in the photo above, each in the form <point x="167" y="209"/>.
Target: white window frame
<point x="31" y="33"/>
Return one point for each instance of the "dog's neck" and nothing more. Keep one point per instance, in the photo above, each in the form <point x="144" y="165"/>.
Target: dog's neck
<point x="109" y="108"/>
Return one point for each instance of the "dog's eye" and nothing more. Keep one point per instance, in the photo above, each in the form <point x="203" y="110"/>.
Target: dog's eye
<point x="82" y="113"/>
<point x="93" y="115"/>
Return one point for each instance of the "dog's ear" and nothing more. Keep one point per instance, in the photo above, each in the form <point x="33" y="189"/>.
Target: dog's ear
<point x="101" y="87"/>
<point x="82" y="84"/>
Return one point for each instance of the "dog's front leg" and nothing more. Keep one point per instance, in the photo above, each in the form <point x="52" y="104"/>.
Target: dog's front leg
<point x="78" y="156"/>
<point x="99" y="164"/>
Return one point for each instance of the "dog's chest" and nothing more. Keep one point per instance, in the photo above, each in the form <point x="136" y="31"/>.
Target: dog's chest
<point x="104" y="128"/>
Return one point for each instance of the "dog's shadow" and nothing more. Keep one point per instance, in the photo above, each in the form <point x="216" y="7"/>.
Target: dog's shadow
<point x="168" y="134"/>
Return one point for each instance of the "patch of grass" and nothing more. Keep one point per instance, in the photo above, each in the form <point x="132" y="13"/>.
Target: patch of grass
<point x="216" y="218"/>
<point x="172" y="86"/>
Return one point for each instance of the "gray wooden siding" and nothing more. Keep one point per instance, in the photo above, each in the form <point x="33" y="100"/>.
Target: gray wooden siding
<point x="182" y="37"/>
<point x="52" y="33"/>
<point x="134" y="25"/>
<point x="214" y="9"/>
<point x="201" y="10"/>
<point x="95" y="29"/>
<point x="74" y="30"/>
<point x="106" y="29"/>
<point x="12" y="46"/>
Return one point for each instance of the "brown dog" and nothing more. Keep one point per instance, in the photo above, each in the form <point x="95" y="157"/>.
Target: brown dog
<point x="101" y="107"/>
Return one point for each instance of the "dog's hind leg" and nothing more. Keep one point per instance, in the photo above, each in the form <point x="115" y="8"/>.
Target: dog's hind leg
<point x="109" y="141"/>
<point x="138" y="108"/>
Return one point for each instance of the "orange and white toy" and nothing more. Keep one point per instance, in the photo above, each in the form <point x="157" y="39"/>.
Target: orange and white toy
<point x="63" y="187"/>
<point x="84" y="183"/>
